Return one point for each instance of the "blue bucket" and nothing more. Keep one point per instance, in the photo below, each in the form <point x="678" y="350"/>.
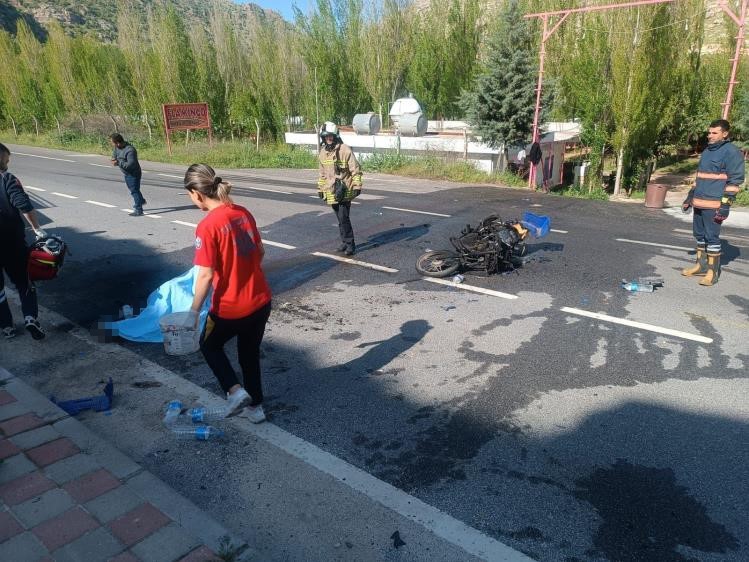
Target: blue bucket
<point x="537" y="224"/>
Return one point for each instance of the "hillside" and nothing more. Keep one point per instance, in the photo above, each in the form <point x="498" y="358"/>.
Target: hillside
<point x="99" y="16"/>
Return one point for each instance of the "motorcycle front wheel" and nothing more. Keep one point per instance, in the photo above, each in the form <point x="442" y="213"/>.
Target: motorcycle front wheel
<point x="438" y="263"/>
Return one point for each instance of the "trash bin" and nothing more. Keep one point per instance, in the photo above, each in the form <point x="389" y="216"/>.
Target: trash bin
<point x="655" y="195"/>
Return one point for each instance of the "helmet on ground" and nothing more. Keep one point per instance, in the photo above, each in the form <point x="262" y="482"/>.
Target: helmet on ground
<point x="329" y="128"/>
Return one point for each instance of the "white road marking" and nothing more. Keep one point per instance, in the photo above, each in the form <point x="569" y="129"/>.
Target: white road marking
<point x="101" y="165"/>
<point x="45" y="157"/>
<point x="152" y="216"/>
<point x="667" y="246"/>
<point x="278" y="245"/>
<point x="471" y="288"/>
<point x="639" y="325"/>
<point x="107" y="205"/>
<point x="183" y="223"/>
<point x="268" y="190"/>
<point x="64" y="195"/>
<point x="171" y="176"/>
<point x="559" y="231"/>
<point x="419" y="212"/>
<point x="726" y="236"/>
<point x="32" y="188"/>
<point x="356" y="262"/>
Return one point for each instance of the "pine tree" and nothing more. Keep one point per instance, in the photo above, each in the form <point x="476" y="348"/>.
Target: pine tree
<point x="500" y="104"/>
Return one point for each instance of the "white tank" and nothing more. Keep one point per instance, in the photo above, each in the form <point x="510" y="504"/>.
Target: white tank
<point x="366" y="123"/>
<point x="413" y="125"/>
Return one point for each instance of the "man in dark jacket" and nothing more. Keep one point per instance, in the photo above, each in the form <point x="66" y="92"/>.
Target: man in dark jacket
<point x="720" y="175"/>
<point x="15" y="203"/>
<point x="125" y="157"/>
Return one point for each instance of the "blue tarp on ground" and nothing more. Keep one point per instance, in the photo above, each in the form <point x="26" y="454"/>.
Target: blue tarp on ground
<point x="173" y="296"/>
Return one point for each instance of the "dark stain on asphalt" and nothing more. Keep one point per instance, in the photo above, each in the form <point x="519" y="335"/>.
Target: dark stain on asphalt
<point x="646" y="515"/>
<point x="346" y="336"/>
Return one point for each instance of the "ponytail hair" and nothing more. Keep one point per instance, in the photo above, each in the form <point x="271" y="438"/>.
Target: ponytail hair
<point x="203" y="179"/>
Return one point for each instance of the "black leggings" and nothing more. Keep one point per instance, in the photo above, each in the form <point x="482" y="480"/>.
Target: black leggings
<point x="249" y="333"/>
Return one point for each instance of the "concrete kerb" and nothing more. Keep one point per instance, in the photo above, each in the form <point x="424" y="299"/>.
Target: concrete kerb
<point x="135" y="478"/>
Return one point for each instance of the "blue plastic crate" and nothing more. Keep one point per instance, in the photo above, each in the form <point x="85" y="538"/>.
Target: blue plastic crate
<point x="538" y="225"/>
<point x="97" y="403"/>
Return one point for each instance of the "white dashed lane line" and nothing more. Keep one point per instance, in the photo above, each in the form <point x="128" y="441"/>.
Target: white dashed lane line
<point x="171" y="176"/>
<point x="559" y="231"/>
<point x="355" y="262"/>
<point x="418" y="212"/>
<point x="183" y="223"/>
<point x="100" y="204"/>
<point x="278" y="244"/>
<point x="471" y="288"/>
<point x="44" y="157"/>
<point x="33" y="188"/>
<point x="638" y="325"/>
<point x="100" y="165"/>
<point x="64" y="195"/>
<point x="643" y="243"/>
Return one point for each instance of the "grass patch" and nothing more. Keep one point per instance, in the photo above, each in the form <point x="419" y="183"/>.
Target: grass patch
<point x="576" y="192"/>
<point x="742" y="199"/>
<point x="435" y="168"/>
<point x="686" y="166"/>
<point x="235" y="154"/>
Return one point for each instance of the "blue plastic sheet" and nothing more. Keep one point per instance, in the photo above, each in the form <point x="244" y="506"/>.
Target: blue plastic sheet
<point x="173" y="296"/>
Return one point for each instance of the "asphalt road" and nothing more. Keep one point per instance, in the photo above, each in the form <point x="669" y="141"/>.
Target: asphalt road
<point x="564" y="436"/>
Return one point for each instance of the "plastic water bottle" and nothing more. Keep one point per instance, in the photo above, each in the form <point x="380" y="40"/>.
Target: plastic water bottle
<point x="458" y="279"/>
<point x="173" y="410"/>
<point x="197" y="433"/>
<point x="202" y="414"/>
<point x="635" y="287"/>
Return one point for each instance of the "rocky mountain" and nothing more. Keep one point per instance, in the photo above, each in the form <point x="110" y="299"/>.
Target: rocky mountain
<point x="99" y="17"/>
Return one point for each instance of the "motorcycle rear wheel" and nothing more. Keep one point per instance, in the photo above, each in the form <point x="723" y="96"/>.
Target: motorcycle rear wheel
<point x="438" y="263"/>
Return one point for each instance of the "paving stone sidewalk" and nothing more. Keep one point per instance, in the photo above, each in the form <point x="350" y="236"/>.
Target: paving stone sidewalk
<point x="67" y="495"/>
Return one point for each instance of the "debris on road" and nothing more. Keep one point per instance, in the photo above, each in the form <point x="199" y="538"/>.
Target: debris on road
<point x="146" y="384"/>
<point x="397" y="541"/>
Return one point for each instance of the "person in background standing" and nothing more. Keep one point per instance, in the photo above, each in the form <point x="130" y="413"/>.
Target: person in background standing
<point x="125" y="157"/>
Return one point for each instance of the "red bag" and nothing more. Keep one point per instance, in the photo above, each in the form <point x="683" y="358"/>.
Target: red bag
<point x="46" y="258"/>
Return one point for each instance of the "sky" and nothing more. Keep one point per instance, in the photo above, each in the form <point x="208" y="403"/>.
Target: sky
<point x="283" y="7"/>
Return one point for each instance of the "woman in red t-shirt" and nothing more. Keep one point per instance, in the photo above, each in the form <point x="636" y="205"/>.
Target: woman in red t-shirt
<point x="228" y="252"/>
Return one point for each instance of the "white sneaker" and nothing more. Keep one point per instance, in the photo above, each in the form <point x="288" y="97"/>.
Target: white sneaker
<point x="236" y="402"/>
<point x="254" y="414"/>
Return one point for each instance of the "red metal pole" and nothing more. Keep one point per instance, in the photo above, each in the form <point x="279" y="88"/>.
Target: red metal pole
<point x="741" y="21"/>
<point x="539" y="84"/>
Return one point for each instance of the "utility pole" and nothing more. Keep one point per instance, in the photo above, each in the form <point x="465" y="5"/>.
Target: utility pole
<point x="741" y="22"/>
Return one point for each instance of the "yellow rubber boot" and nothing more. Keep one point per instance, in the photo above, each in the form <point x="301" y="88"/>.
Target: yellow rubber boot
<point x="713" y="270"/>
<point x="700" y="266"/>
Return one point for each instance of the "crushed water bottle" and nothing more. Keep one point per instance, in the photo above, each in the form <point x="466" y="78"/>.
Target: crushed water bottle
<point x="173" y="410"/>
<point x="635" y="287"/>
<point x="203" y="414"/>
<point x="458" y="278"/>
<point x="198" y="433"/>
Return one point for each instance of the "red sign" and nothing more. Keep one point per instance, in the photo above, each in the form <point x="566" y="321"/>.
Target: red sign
<point x="185" y="117"/>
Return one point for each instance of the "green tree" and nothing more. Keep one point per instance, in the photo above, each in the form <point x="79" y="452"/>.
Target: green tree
<point x="501" y="102"/>
<point x="445" y="47"/>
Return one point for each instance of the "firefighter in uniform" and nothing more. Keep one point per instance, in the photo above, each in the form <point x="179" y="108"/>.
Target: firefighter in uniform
<point x="340" y="181"/>
<point x="720" y="175"/>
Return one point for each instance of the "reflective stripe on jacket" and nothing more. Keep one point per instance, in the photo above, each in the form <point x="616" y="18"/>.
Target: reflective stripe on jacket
<point x="720" y="172"/>
<point x="346" y="168"/>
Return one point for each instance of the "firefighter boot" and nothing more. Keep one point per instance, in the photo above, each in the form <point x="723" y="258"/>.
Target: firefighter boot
<point x="713" y="270"/>
<point x="700" y="266"/>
